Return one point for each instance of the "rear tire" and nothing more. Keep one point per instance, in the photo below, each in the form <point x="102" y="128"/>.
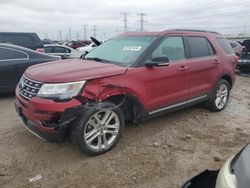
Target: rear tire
<point x="219" y="97"/>
<point x="98" y="128"/>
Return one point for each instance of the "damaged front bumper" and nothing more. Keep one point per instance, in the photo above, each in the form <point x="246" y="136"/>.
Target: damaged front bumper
<point x="45" y="118"/>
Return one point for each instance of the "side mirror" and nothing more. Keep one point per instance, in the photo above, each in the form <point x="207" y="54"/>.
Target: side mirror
<point x="158" y="61"/>
<point x="161" y="59"/>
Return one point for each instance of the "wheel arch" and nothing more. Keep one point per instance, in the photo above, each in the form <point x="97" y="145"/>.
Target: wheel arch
<point x="130" y="105"/>
<point x="228" y="78"/>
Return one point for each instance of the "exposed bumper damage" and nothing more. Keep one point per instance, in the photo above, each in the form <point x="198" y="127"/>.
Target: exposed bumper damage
<point x="53" y="130"/>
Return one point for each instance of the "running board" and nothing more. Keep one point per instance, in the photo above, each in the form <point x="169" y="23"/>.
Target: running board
<point x="179" y="104"/>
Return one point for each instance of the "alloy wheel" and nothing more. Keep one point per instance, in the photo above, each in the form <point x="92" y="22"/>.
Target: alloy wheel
<point x="101" y="130"/>
<point x="221" y="96"/>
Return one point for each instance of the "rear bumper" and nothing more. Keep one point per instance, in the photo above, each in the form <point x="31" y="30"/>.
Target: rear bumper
<point x="45" y="118"/>
<point x="243" y="64"/>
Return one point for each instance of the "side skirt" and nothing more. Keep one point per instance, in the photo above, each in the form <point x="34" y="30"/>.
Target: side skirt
<point x="178" y="106"/>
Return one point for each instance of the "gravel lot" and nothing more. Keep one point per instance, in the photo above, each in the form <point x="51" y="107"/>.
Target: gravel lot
<point x="163" y="152"/>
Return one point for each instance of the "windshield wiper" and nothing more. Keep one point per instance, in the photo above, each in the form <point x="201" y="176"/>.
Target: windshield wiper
<point x="98" y="59"/>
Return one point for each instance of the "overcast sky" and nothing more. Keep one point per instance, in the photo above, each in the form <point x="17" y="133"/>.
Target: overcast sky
<point x="50" y="17"/>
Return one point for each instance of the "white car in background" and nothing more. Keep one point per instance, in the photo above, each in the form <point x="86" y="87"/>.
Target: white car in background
<point x="64" y="52"/>
<point x="91" y="46"/>
<point x="87" y="48"/>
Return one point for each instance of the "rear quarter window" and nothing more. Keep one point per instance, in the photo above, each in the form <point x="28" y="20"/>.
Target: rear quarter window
<point x="199" y="47"/>
<point x="19" y="39"/>
<point x="233" y="44"/>
<point x="225" y="45"/>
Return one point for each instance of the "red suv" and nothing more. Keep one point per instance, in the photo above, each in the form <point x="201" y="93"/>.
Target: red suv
<point x="132" y="77"/>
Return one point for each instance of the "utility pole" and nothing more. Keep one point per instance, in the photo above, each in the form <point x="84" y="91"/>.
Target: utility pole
<point x="69" y="33"/>
<point x="142" y="21"/>
<point x="60" y="35"/>
<point x="244" y="30"/>
<point x="125" y="21"/>
<point x="66" y="37"/>
<point x="94" y="31"/>
<point x="85" y="32"/>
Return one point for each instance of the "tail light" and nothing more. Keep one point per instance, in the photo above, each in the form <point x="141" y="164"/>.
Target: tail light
<point x="41" y="50"/>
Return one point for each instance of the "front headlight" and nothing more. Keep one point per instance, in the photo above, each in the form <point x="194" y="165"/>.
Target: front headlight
<point x="61" y="90"/>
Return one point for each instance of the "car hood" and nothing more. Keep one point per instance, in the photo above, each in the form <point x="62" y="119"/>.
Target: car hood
<point x="72" y="70"/>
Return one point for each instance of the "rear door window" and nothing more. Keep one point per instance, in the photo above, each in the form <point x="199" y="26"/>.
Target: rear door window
<point x="199" y="47"/>
<point x="48" y="49"/>
<point x="59" y="49"/>
<point x="225" y="45"/>
<point x="11" y="54"/>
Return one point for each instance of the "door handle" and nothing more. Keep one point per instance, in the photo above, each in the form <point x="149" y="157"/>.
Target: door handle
<point x="17" y="66"/>
<point x="216" y="62"/>
<point x="182" y="68"/>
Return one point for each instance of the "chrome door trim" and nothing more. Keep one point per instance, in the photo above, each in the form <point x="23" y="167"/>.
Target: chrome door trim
<point x="178" y="104"/>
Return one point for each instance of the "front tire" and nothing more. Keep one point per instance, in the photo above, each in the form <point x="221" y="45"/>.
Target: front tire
<point x="219" y="97"/>
<point x="98" y="129"/>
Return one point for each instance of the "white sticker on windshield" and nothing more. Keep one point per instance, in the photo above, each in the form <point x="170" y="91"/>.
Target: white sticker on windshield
<point x="132" y="48"/>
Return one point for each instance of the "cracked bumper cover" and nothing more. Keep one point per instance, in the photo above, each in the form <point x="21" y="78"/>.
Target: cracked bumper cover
<point x="45" y="118"/>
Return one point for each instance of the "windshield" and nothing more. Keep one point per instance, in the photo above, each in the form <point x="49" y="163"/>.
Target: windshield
<point x="122" y="50"/>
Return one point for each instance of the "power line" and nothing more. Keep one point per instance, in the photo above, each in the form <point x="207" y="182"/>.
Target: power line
<point x="69" y="36"/>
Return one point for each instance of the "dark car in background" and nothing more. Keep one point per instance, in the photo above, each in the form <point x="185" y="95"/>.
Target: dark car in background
<point x="14" y="60"/>
<point x="246" y="43"/>
<point x="48" y="41"/>
<point x="244" y="62"/>
<point x="74" y="44"/>
<point x="27" y="40"/>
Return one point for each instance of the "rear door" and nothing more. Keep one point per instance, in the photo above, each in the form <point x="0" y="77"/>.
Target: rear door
<point x="13" y="62"/>
<point x="203" y="64"/>
<point x="61" y="51"/>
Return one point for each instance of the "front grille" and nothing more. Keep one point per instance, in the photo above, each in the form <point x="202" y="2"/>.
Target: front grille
<point x="28" y="88"/>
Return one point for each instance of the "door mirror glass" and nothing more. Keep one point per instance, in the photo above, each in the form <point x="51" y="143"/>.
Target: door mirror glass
<point x="160" y="59"/>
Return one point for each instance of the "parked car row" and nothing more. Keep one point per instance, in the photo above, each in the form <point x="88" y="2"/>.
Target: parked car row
<point x="14" y="60"/>
<point x="18" y="51"/>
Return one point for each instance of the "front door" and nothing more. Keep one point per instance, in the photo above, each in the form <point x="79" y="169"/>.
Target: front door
<point x="166" y="85"/>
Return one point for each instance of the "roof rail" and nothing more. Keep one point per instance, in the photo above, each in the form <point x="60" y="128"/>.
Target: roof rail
<point x="193" y="30"/>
